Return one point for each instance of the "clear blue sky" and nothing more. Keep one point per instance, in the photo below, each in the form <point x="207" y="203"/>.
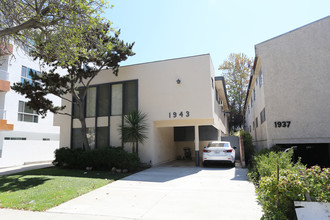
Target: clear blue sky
<point x="165" y="29"/>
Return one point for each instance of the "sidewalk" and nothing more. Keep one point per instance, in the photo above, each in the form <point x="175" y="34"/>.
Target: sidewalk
<point x="18" y="169"/>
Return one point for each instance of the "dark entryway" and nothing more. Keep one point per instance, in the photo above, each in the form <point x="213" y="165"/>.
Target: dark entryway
<point x="311" y="154"/>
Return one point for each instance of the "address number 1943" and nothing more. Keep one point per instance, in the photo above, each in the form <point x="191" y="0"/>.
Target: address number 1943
<point x="181" y="114"/>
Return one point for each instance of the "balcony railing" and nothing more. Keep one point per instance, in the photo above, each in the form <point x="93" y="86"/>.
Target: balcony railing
<point x="4" y="75"/>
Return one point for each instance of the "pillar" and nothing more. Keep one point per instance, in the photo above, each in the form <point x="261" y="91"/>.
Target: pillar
<point x="196" y="146"/>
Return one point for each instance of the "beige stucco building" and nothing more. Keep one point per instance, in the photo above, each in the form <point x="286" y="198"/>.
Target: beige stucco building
<point x="183" y="99"/>
<point x="288" y="99"/>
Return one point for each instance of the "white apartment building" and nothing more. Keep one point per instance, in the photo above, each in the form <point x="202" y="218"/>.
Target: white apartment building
<point x="25" y="137"/>
<point x="184" y="101"/>
<point x="288" y="101"/>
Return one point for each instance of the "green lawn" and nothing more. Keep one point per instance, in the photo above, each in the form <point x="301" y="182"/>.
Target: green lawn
<point x="39" y="190"/>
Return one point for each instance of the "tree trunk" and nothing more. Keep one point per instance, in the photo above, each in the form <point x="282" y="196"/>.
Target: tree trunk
<point x="83" y="130"/>
<point x="133" y="147"/>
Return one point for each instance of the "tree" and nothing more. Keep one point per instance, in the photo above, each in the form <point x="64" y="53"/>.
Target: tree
<point x="236" y="71"/>
<point x="83" y="51"/>
<point x="21" y="19"/>
<point x="134" y="129"/>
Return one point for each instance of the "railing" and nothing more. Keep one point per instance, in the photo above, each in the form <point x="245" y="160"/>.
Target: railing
<point x="4" y="75"/>
<point x="2" y="114"/>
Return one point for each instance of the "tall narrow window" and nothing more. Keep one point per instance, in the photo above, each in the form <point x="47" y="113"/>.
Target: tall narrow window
<point x="256" y="122"/>
<point x="254" y="94"/>
<point x="103" y="97"/>
<point x="25" y="113"/>
<point x="91" y="137"/>
<point x="75" y="107"/>
<point x="102" y="137"/>
<point x="76" y="139"/>
<point x="117" y="99"/>
<point x="130" y="97"/>
<point x="91" y="102"/>
<point x="262" y="116"/>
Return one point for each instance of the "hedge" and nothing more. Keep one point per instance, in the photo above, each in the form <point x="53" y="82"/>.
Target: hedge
<point x="99" y="159"/>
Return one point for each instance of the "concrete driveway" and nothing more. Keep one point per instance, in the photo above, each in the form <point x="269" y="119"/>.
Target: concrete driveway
<point x="173" y="191"/>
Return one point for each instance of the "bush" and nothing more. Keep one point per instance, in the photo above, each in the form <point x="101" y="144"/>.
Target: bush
<point x="289" y="188"/>
<point x="249" y="148"/>
<point x="98" y="159"/>
<point x="294" y="181"/>
<point x="317" y="181"/>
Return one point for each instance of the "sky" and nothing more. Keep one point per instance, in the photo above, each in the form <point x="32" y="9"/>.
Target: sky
<point x="167" y="29"/>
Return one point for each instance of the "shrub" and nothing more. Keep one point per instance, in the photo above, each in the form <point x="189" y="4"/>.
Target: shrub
<point x="265" y="164"/>
<point x="249" y="148"/>
<point x="294" y="182"/>
<point x="317" y="181"/>
<point x="286" y="190"/>
<point x="98" y="159"/>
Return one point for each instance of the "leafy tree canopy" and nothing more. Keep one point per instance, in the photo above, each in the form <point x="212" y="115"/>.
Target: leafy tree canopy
<point x="21" y="19"/>
<point x="83" y="49"/>
<point x="236" y="71"/>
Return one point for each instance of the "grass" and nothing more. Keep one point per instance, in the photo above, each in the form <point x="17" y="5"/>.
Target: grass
<point x="39" y="190"/>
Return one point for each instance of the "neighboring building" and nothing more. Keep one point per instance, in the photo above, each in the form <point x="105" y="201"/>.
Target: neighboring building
<point x="25" y="137"/>
<point x="288" y="101"/>
<point x="183" y="99"/>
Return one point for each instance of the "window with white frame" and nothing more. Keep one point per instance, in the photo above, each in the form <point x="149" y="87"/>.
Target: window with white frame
<point x="25" y="74"/>
<point x="25" y="113"/>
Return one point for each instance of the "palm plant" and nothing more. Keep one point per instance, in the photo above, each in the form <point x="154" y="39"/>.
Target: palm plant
<point x="134" y="129"/>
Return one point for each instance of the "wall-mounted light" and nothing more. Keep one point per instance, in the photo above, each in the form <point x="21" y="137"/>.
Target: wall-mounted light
<point x="178" y="81"/>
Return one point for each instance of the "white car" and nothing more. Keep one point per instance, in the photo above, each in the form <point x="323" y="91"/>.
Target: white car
<point x="219" y="151"/>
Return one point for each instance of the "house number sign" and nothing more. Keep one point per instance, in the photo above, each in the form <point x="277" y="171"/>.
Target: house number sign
<point x="282" y="124"/>
<point x="182" y="114"/>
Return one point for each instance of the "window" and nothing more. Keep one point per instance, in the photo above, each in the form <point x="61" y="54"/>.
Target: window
<point x="77" y="142"/>
<point x="261" y="78"/>
<point x="262" y="116"/>
<point x="116" y="99"/>
<point x="103" y="100"/>
<point x="15" y="138"/>
<point x="130" y="97"/>
<point x="254" y="125"/>
<point x="254" y="94"/>
<point x="248" y="109"/>
<point x="91" y="102"/>
<point x="25" y="113"/>
<point x="75" y="110"/>
<point x="256" y="122"/>
<point x="25" y="74"/>
<point x="207" y="133"/>
<point x="46" y="139"/>
<point x="76" y="139"/>
<point x="102" y="135"/>
<point x="184" y="133"/>
<point x="91" y="137"/>
<point x="256" y="81"/>
<point x="212" y="81"/>
<point x="251" y="102"/>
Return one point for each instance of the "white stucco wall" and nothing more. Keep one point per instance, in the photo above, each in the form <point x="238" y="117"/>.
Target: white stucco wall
<point x="159" y="95"/>
<point x="16" y="152"/>
<point x="296" y="73"/>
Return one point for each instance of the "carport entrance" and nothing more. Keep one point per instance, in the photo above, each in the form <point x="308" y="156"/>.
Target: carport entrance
<point x="192" y="134"/>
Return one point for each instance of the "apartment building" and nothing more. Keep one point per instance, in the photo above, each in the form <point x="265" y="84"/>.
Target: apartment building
<point x="184" y="101"/>
<point x="288" y="100"/>
<point x="25" y="137"/>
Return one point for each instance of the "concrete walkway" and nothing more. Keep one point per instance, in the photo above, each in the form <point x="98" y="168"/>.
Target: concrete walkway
<point x="173" y="191"/>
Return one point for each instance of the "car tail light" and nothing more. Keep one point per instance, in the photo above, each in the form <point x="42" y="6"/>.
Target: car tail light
<point x="228" y="151"/>
<point x="206" y="151"/>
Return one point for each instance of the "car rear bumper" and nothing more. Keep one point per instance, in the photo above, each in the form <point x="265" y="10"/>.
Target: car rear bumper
<point x="226" y="158"/>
